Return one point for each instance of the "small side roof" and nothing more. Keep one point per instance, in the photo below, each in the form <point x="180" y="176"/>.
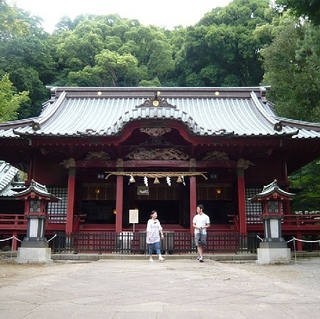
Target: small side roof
<point x="270" y="191"/>
<point x="39" y="190"/>
<point x="8" y="183"/>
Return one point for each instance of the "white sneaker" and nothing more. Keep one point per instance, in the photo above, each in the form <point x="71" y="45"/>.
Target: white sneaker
<point x="151" y="260"/>
<point x="161" y="259"/>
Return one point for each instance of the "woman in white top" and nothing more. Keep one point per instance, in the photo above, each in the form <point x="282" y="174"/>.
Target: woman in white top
<point x="154" y="231"/>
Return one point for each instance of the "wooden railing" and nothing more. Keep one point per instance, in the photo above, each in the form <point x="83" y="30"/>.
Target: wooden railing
<point x="302" y="219"/>
<point x="12" y="221"/>
<point x="57" y="222"/>
<point x="54" y="222"/>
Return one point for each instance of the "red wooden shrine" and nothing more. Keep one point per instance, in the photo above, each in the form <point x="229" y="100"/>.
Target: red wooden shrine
<point x="182" y="146"/>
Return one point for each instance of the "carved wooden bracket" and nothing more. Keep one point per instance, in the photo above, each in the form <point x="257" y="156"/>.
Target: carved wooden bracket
<point x="102" y="156"/>
<point x="242" y="163"/>
<point x="69" y="163"/>
<point x="155" y="131"/>
<point x="157" y="154"/>
<point x="217" y="156"/>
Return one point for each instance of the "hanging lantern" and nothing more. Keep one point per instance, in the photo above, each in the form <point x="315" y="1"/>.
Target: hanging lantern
<point x="97" y="191"/>
<point x="132" y="180"/>
<point x="156" y="181"/>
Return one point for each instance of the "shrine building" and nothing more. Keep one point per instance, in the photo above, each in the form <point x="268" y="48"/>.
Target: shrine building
<point x="105" y="151"/>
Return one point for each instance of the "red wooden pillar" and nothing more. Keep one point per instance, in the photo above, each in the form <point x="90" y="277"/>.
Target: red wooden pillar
<point x="298" y="242"/>
<point x="193" y="200"/>
<point x="15" y="241"/>
<point x="71" y="196"/>
<point x="31" y="170"/>
<point x="119" y="204"/>
<point x="242" y="201"/>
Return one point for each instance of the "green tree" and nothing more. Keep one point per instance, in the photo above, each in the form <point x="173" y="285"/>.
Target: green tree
<point x="306" y="183"/>
<point x="78" y="48"/>
<point x="12" y="21"/>
<point x="78" y="51"/>
<point x="151" y="47"/>
<point x="25" y="56"/>
<point x="28" y="62"/>
<point x="111" y="69"/>
<point x="223" y="48"/>
<point x="309" y="9"/>
<point x="292" y="69"/>
<point x="291" y="66"/>
<point x="10" y="101"/>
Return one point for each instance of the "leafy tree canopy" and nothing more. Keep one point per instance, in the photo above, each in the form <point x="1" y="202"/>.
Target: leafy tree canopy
<point x="9" y="100"/>
<point x="25" y="56"/>
<point x="223" y="48"/>
<point x="291" y="65"/>
<point x="306" y="182"/>
<point x="309" y="9"/>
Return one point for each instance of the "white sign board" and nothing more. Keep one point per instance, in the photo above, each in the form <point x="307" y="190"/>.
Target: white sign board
<point x="133" y="216"/>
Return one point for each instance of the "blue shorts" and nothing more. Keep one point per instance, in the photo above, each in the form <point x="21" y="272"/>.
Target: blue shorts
<point x="197" y="236"/>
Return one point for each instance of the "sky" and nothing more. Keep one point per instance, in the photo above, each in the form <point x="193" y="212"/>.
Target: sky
<point x="164" y="13"/>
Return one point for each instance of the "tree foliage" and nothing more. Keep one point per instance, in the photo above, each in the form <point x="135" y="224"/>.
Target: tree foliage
<point x="94" y="50"/>
<point x="306" y="182"/>
<point x="9" y="100"/>
<point x="25" y="56"/>
<point x="143" y="50"/>
<point x="222" y="49"/>
<point x="308" y="9"/>
<point x="12" y="21"/>
<point x="292" y="68"/>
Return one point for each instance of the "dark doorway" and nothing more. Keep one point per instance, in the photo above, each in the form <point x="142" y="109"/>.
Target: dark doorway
<point x="99" y="211"/>
<point x="218" y="211"/>
<point x="168" y="210"/>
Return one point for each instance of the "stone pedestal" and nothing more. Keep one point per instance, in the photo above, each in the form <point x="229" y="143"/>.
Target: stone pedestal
<point x="33" y="255"/>
<point x="274" y="256"/>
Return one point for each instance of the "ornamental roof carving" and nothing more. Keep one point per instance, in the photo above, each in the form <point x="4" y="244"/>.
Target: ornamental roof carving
<point x="157" y="154"/>
<point x="155" y="131"/>
<point x="216" y="156"/>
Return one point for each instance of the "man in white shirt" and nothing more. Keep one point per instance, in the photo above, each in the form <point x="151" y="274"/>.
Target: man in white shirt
<point x="200" y="223"/>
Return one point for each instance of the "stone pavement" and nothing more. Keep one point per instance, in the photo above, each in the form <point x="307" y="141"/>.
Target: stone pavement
<point x="176" y="288"/>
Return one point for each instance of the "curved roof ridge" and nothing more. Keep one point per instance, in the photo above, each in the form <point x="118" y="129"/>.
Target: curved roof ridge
<point x="154" y="113"/>
<point x="51" y="109"/>
<point x="167" y="113"/>
<point x="36" y="122"/>
<point x="263" y="112"/>
<point x="17" y="123"/>
<point x="311" y="125"/>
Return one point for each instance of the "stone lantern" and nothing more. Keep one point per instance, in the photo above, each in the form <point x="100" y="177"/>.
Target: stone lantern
<point x="34" y="247"/>
<point x="273" y="248"/>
